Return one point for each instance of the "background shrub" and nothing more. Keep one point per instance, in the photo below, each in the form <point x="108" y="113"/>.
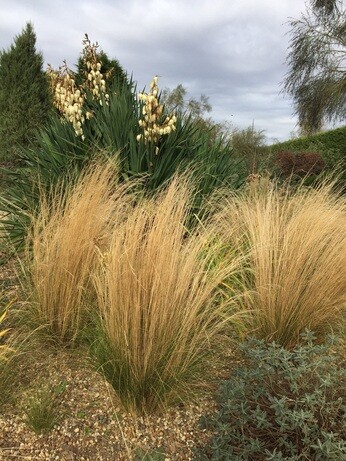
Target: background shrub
<point x="281" y="405"/>
<point x="299" y="164"/>
<point x="249" y="144"/>
<point x="333" y="140"/>
<point x="331" y="145"/>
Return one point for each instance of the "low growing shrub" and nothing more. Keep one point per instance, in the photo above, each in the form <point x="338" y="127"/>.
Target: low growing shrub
<point x="299" y="164"/>
<point x="281" y="405"/>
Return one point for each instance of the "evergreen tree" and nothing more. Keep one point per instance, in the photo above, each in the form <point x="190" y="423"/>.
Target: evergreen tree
<point x="24" y="94"/>
<point x="117" y="78"/>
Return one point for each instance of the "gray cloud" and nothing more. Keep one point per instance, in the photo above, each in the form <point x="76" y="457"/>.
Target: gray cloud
<point x="232" y="51"/>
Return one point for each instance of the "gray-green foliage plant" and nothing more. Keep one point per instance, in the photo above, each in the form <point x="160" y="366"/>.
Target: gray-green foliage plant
<point x="25" y="100"/>
<point x="281" y="405"/>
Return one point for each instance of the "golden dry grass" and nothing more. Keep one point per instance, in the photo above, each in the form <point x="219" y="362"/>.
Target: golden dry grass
<point x="156" y="294"/>
<point x="62" y="248"/>
<point x="155" y="283"/>
<point x="4" y="348"/>
<point x="297" y="258"/>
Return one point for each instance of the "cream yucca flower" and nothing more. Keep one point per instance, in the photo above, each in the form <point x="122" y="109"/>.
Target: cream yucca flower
<point x="68" y="97"/>
<point x="95" y="80"/>
<point x="152" y="112"/>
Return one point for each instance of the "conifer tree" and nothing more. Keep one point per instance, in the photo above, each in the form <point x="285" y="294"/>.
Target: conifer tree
<point x="117" y="78"/>
<point x="24" y="94"/>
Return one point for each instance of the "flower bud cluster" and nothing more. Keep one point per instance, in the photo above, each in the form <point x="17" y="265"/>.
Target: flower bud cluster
<point x="70" y="98"/>
<point x="95" y="81"/>
<point x="67" y="97"/>
<point x="151" y="123"/>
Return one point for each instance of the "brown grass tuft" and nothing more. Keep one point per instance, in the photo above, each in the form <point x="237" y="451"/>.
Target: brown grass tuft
<point x="62" y="248"/>
<point x="156" y="294"/>
<point x="297" y="244"/>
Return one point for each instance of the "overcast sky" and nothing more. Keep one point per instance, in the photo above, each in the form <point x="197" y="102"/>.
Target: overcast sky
<point x="233" y="51"/>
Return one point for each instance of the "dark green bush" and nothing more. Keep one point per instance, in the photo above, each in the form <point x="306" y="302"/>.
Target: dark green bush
<point x="25" y="100"/>
<point x="332" y="140"/>
<point x="281" y="405"/>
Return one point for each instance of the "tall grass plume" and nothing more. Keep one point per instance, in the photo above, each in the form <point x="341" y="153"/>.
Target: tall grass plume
<point x="297" y="257"/>
<point x="61" y="249"/>
<point x="156" y="293"/>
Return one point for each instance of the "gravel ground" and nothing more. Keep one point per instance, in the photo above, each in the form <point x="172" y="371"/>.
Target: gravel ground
<point x="91" y="426"/>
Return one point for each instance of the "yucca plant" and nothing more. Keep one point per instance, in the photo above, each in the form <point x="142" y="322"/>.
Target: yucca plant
<point x="66" y="145"/>
<point x="114" y="129"/>
<point x="156" y="291"/>
<point x="297" y="257"/>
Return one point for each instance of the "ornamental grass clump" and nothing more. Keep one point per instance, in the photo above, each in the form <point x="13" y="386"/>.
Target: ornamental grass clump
<point x="42" y="410"/>
<point x="156" y="293"/>
<point x="62" y="246"/>
<point x="297" y="258"/>
<point x="4" y="348"/>
<point x="11" y="353"/>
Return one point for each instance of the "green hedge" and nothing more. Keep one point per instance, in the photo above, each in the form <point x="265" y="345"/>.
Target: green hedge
<point x="334" y="140"/>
